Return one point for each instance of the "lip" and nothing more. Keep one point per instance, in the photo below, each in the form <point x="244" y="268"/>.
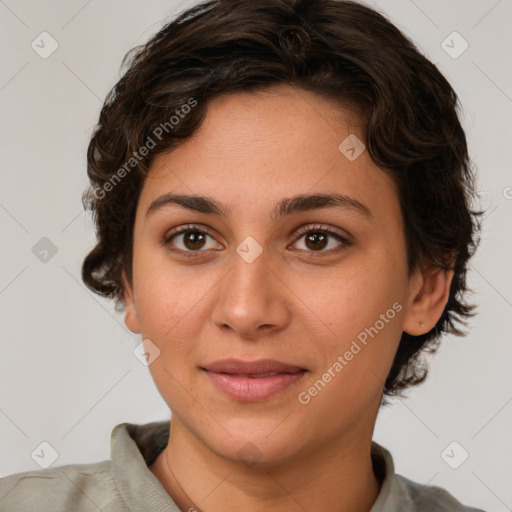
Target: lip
<point x="238" y="379"/>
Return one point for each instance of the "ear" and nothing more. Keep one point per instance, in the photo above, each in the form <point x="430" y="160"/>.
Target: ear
<point x="131" y="318"/>
<point x="430" y="289"/>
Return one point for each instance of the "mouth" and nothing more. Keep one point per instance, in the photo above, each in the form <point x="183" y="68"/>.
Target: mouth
<point x="253" y="381"/>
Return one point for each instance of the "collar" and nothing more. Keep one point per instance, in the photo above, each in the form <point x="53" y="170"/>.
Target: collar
<point x="135" y="447"/>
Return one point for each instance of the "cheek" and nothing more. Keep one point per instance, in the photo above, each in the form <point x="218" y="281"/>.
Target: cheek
<point x="354" y="298"/>
<point x="164" y="291"/>
<point x="168" y="310"/>
<point x="363" y="308"/>
<point x="167" y="299"/>
<point x="354" y="363"/>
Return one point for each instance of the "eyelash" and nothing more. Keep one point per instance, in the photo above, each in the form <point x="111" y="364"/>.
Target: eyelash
<point x="317" y="228"/>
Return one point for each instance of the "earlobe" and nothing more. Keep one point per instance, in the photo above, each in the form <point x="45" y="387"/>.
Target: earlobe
<point x="427" y="300"/>
<point x="131" y="318"/>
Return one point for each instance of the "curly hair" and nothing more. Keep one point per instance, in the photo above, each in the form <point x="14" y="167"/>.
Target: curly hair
<point x="341" y="50"/>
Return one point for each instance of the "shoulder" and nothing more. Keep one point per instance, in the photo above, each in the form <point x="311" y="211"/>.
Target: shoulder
<point x="77" y="487"/>
<point x="431" y="498"/>
<point x="401" y="493"/>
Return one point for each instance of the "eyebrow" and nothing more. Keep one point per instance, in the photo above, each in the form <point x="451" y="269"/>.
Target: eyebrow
<point x="287" y="206"/>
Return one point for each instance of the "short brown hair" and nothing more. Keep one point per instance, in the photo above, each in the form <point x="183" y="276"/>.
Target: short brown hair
<point x="341" y="50"/>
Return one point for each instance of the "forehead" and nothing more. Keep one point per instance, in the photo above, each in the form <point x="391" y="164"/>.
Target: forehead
<point x="253" y="149"/>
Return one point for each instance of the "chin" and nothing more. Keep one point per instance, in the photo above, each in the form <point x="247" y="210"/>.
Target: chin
<point x="256" y="442"/>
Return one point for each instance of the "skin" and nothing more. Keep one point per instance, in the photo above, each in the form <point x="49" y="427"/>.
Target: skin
<point x="296" y="302"/>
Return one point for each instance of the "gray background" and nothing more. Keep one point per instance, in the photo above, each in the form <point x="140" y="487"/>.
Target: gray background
<point x="67" y="371"/>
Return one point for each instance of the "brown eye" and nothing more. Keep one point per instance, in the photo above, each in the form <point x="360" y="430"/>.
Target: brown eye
<point x="194" y="239"/>
<point x="317" y="238"/>
<point x="188" y="240"/>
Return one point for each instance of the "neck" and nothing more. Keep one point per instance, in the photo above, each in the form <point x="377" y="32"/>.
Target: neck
<point x="338" y="477"/>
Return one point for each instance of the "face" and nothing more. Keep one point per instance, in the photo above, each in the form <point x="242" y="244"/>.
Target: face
<point x="320" y="288"/>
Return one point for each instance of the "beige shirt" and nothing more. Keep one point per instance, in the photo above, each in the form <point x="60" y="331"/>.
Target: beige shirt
<point x="125" y="483"/>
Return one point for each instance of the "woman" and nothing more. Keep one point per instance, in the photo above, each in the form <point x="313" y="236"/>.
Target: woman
<point x="281" y="192"/>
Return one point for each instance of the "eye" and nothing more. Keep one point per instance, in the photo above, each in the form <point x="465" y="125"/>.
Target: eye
<point x="316" y="239"/>
<point x="192" y="240"/>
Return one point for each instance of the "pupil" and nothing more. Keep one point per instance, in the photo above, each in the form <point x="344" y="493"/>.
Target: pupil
<point x="318" y="237"/>
<point x="194" y="239"/>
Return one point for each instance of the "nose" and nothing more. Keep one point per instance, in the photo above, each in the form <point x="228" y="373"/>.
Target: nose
<point x="252" y="300"/>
